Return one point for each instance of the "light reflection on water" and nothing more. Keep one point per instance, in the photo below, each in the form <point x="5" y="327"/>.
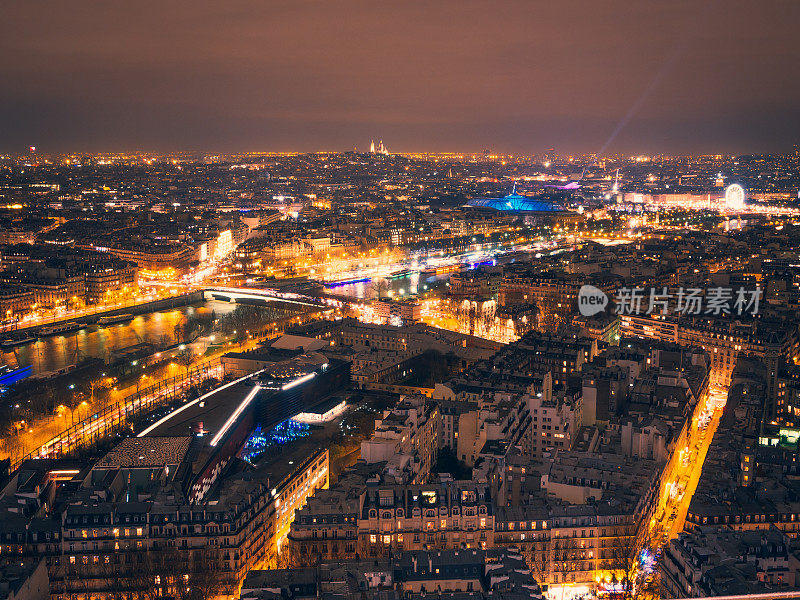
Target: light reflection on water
<point x="51" y="353"/>
<point x="414" y="283"/>
<point x="55" y="352"/>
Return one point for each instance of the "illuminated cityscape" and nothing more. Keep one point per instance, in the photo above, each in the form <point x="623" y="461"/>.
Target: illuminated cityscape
<point x="399" y="302"/>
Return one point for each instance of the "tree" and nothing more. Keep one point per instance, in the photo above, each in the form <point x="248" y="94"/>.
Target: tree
<point x="380" y="287"/>
<point x="201" y="584"/>
<point x="535" y="554"/>
<point x="118" y="583"/>
<point x="624" y="559"/>
<point x="198" y="325"/>
<point x="11" y="446"/>
<point x="99" y="383"/>
<point x="180" y="334"/>
<point x="83" y="577"/>
<point x="562" y="561"/>
<point x="163" y="341"/>
<point x="166" y="572"/>
<point x="246" y="319"/>
<point x="40" y="401"/>
<point x="185" y="358"/>
<point x="292" y="556"/>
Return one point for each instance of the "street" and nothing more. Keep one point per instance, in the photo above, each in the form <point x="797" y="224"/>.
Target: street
<point x="682" y="473"/>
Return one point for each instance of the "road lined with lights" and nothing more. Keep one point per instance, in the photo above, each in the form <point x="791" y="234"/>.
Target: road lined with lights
<point x="681" y="476"/>
<point x="49" y="440"/>
<point x="40" y="319"/>
<point x="683" y="473"/>
<point x="102" y="422"/>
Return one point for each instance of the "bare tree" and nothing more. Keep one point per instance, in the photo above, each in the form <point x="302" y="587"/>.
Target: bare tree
<point x="561" y="561"/>
<point x="185" y="358"/>
<point x="168" y="572"/>
<point x="294" y="555"/>
<point x="80" y="578"/>
<point x="40" y="401"/>
<point x="98" y="384"/>
<point x="625" y="559"/>
<point x="536" y="557"/>
<point x="119" y="583"/>
<point x="380" y="287"/>
<point x="12" y="447"/>
<point x="202" y="584"/>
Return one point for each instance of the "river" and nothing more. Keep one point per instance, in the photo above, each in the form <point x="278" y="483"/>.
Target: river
<point x="414" y="283"/>
<point x="52" y="353"/>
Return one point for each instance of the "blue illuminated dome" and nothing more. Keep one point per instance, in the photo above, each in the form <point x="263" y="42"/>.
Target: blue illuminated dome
<point x="515" y="203"/>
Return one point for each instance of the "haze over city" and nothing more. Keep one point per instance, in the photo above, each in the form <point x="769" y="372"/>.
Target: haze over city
<point x="515" y="77"/>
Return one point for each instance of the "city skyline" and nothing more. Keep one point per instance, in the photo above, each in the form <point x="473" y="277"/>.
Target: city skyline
<point x="223" y="374"/>
<point x="685" y="78"/>
<point x="399" y="301"/>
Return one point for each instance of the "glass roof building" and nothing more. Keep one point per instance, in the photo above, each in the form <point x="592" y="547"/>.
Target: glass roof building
<point x="515" y="203"/>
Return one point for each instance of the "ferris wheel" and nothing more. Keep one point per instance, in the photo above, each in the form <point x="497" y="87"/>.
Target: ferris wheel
<point x="734" y="197"/>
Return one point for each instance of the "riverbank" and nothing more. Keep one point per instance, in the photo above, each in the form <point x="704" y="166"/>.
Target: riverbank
<point x="91" y="318"/>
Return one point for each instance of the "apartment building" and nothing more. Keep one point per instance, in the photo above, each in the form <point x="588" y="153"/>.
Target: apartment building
<point x="724" y="340"/>
<point x="714" y="562"/>
<point x="15" y="301"/>
<point x="407" y="438"/>
<point x="445" y="515"/>
<point x="124" y="526"/>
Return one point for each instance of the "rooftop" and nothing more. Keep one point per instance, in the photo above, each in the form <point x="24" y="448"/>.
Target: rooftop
<point x="153" y="451"/>
<point x="516" y="203"/>
<point x="213" y="411"/>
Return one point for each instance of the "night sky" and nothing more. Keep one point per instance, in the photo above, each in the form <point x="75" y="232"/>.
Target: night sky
<point x="696" y="77"/>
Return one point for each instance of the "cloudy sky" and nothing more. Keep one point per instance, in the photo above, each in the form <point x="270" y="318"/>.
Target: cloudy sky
<point x="513" y="76"/>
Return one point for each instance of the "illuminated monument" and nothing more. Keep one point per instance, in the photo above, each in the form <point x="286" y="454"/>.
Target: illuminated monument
<point x="380" y="150"/>
<point x="515" y="202"/>
<point x="734" y="197"/>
